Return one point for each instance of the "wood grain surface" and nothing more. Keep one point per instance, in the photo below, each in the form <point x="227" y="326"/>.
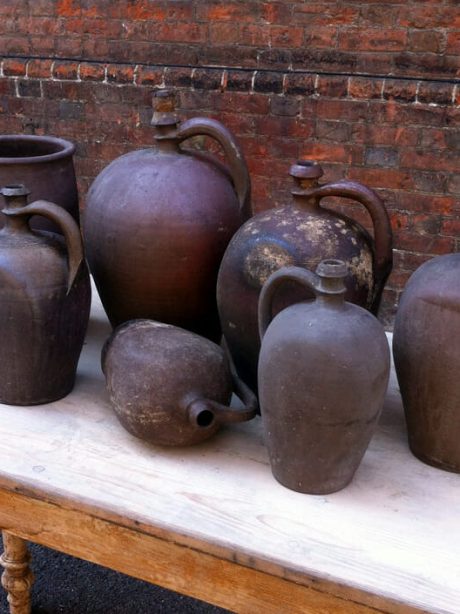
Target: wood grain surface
<point x="389" y="541"/>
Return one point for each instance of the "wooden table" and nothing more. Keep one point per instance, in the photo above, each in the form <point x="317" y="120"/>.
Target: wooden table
<point x="210" y="521"/>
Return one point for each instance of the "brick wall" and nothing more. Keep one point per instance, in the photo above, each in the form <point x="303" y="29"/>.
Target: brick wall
<point x="370" y="89"/>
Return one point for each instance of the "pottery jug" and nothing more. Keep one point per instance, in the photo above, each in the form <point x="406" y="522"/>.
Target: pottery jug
<point x="44" y="302"/>
<point x="157" y="222"/>
<point x="45" y="165"/>
<point x="323" y="373"/>
<point x="301" y="233"/>
<point x="426" y="348"/>
<point x="170" y="386"/>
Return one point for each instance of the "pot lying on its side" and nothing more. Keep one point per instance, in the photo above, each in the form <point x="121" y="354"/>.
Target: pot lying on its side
<point x="169" y="386"/>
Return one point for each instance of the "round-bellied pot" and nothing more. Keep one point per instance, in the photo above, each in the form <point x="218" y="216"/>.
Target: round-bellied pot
<point x="170" y="386"/>
<point x="157" y="222"/>
<point x="301" y="233"/>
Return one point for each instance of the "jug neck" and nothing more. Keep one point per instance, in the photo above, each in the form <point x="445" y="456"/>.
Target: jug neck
<point x="306" y="174"/>
<point x="15" y="197"/>
<point x="165" y="121"/>
<point x="330" y="288"/>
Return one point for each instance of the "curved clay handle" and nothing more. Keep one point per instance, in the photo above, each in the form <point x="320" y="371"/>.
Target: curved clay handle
<point x="304" y="277"/>
<point x="202" y="126"/>
<point x="383" y="236"/>
<point x="66" y="223"/>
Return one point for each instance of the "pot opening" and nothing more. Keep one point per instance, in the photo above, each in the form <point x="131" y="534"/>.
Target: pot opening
<point x="205" y="418"/>
<point x="22" y="148"/>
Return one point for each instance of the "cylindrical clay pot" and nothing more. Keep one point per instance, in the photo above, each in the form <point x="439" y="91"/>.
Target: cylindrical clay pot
<point x="302" y="233"/>
<point x="426" y="348"/>
<point x="45" y="297"/>
<point x="157" y="222"/>
<point x="169" y="386"/>
<point x="323" y="374"/>
<point x="45" y="165"/>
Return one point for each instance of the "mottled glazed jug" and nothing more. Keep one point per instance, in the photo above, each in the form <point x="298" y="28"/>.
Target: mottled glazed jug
<point x="426" y="348"/>
<point x="323" y="373"/>
<point x="157" y="222"/>
<point x="45" y="165"/>
<point x="301" y="233"/>
<point x="169" y="386"/>
<point x="45" y="298"/>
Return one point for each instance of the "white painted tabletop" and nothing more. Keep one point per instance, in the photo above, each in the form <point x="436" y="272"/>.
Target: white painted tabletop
<point x="394" y="531"/>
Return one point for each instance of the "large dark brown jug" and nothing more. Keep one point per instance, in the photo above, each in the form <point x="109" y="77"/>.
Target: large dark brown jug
<point x="426" y="348"/>
<point x="45" y="165"/>
<point x="323" y="374"/>
<point x="170" y="386"/>
<point x="157" y="222"/>
<point x="45" y="297"/>
<point x="301" y="233"/>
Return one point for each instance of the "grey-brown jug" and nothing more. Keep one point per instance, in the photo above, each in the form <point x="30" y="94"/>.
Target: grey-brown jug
<point x="323" y="374"/>
<point x="302" y="233"/>
<point x="45" y="297"/>
<point x="169" y="386"/>
<point x="426" y="348"/>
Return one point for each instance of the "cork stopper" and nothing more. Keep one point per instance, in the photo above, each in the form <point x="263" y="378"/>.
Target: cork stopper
<point x="164" y="107"/>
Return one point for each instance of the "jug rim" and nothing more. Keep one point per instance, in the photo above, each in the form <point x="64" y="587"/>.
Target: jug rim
<point x="62" y="148"/>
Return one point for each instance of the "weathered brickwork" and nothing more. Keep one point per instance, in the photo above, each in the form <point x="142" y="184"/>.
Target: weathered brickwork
<point x="371" y="89"/>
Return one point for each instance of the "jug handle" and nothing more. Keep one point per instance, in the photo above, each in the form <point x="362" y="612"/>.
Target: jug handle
<point x="66" y="223"/>
<point x="222" y="413"/>
<point x="202" y="126"/>
<point x="383" y="236"/>
<point x="301" y="276"/>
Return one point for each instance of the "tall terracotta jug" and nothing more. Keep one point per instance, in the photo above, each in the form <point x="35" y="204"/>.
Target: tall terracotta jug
<point x="45" y="165"/>
<point x="426" y="348"/>
<point x="157" y="222"/>
<point x="323" y="373"/>
<point x="45" y="297"/>
<point x="300" y="233"/>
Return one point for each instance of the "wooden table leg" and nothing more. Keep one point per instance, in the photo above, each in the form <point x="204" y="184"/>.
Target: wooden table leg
<point x="17" y="578"/>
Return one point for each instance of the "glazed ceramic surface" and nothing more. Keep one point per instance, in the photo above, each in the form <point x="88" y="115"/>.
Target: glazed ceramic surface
<point x="300" y="233"/>
<point x="426" y="348"/>
<point x="45" y="298"/>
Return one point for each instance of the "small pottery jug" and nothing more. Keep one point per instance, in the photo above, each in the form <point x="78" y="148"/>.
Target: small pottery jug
<point x="157" y="222"/>
<point x="45" y="165"/>
<point x="301" y="233"/>
<point x="45" y="298"/>
<point x="169" y="386"/>
<point x="426" y="348"/>
<point x="323" y="374"/>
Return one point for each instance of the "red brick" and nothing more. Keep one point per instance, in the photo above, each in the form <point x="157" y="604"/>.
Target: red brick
<point x="453" y="43"/>
<point x="360" y="87"/>
<point x="320" y="38"/>
<point x="120" y="74"/>
<point x="435" y="93"/>
<point x="372" y="40"/>
<point x="432" y="41"/>
<point x="332" y="86"/>
<point x="414" y="242"/>
<point x="65" y="70"/>
<point x="400" y="90"/>
<point x="423" y="160"/>
<point x="92" y="72"/>
<point x="222" y="33"/>
<point x="326" y="151"/>
<point x="382" y="177"/>
<point x="299" y="84"/>
<point x="451" y="227"/>
<point x="14" y="68"/>
<point x="39" y="69"/>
